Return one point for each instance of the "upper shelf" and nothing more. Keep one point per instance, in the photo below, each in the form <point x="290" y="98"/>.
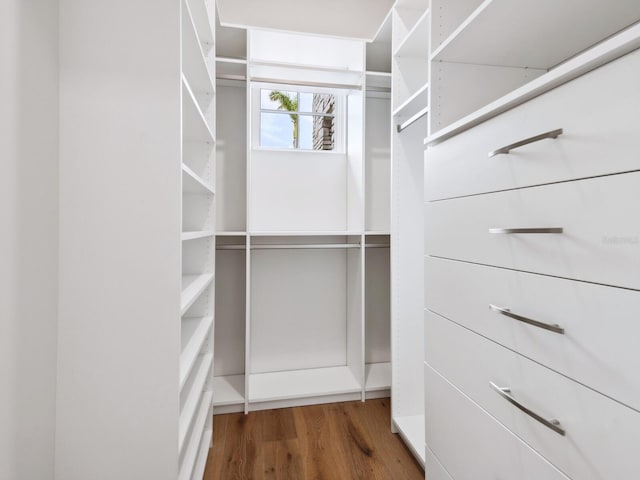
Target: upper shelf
<point x="414" y="104"/>
<point x="541" y="34"/>
<point x="194" y="61"/>
<point x="416" y="43"/>
<point x="203" y="12"/>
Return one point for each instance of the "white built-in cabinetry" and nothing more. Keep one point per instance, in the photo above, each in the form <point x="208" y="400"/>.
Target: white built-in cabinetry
<point x="137" y="239"/>
<point x="302" y="260"/>
<point x="410" y="106"/>
<point x="531" y="238"/>
<point x="198" y="236"/>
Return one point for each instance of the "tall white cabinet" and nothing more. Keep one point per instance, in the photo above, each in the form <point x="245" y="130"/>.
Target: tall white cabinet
<point x="302" y="312"/>
<point x="531" y="181"/>
<point x="137" y="243"/>
<point x="410" y="106"/>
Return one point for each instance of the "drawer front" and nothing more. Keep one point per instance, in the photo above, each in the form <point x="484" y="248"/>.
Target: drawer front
<point x="600" y="218"/>
<point x="601" y="440"/>
<point x="473" y="446"/>
<point x="599" y="346"/>
<point x="433" y="469"/>
<point x="598" y="113"/>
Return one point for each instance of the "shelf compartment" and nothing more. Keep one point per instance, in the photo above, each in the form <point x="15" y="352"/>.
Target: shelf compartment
<point x="292" y="384"/>
<point x="231" y="68"/>
<point x="539" y="34"/>
<point x="192" y="288"/>
<point x="415" y="103"/>
<point x="198" y="433"/>
<point x="416" y="43"/>
<point x="186" y="236"/>
<point x="192" y="183"/>
<point x="378" y="376"/>
<point x="203" y="455"/>
<point x="194" y="61"/>
<point x="193" y="334"/>
<point x="411" y="429"/>
<point x="194" y="125"/>
<point x="613" y="48"/>
<point x="230" y="234"/>
<point x="228" y="390"/>
<point x="328" y="233"/>
<point x="194" y="397"/>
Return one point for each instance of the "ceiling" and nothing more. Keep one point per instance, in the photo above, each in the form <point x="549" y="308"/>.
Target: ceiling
<point x="359" y="19"/>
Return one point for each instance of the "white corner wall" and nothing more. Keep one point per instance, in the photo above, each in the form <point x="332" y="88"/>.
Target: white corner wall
<point x="28" y="237"/>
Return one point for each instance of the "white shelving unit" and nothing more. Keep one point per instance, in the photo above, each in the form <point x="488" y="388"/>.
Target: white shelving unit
<point x="410" y="106"/>
<point x="198" y="236"/>
<point x="302" y="311"/>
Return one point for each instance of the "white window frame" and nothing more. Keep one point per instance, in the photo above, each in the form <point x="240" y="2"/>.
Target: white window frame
<point x="339" y="115"/>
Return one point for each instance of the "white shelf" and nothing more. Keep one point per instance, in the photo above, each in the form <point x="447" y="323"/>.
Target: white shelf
<point x="228" y="390"/>
<point x="416" y="43"/>
<point x="194" y="395"/>
<point x="231" y="68"/>
<point x="539" y="34"/>
<point x="197" y="235"/>
<point x="230" y="234"/>
<point x="377" y="376"/>
<point x="194" y="63"/>
<point x="194" y="125"/>
<point x="192" y="183"/>
<point x="197" y="434"/>
<point x="264" y="387"/>
<point x="377" y="232"/>
<point x="203" y="455"/>
<point x="607" y="51"/>
<point x="194" y="331"/>
<point x="200" y="15"/>
<point x="192" y="288"/>
<point x="378" y="80"/>
<point x="412" y="430"/>
<point x="415" y="103"/>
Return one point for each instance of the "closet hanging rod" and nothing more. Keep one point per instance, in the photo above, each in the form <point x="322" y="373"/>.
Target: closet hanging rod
<point x="412" y="120"/>
<point x="377" y="245"/>
<point x="291" y="246"/>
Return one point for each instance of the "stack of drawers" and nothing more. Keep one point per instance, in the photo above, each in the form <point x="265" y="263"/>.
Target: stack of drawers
<point x="532" y="288"/>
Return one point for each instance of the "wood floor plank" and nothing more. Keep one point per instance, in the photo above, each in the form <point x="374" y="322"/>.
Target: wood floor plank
<point x="343" y="441"/>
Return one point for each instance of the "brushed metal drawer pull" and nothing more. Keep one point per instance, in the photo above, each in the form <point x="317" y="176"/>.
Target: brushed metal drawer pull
<point x="513" y="231"/>
<point x="505" y="392"/>
<point x="547" y="326"/>
<point x="526" y="141"/>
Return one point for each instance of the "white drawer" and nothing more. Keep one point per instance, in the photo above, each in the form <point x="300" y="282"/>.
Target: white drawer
<point x="433" y="469"/>
<point x="473" y="446"/>
<point x="601" y="440"/>
<point x="599" y="347"/>
<point x="600" y="218"/>
<point x="598" y="113"/>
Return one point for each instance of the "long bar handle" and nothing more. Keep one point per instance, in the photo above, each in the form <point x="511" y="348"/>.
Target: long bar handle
<point x="504" y="150"/>
<point x="505" y="393"/>
<point x="513" y="231"/>
<point x="546" y="326"/>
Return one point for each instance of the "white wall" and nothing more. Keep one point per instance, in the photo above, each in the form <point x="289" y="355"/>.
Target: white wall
<point x="28" y="236"/>
<point x="120" y="196"/>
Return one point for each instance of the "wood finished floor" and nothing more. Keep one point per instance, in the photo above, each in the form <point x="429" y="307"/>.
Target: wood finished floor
<point x="338" y="441"/>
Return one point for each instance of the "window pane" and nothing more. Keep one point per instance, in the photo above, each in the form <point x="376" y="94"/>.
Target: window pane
<point x="317" y="132"/>
<point x="277" y="130"/>
<point x="278" y="100"/>
<point x="306" y="102"/>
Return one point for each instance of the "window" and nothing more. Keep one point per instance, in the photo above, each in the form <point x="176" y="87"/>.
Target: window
<point x="299" y="120"/>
